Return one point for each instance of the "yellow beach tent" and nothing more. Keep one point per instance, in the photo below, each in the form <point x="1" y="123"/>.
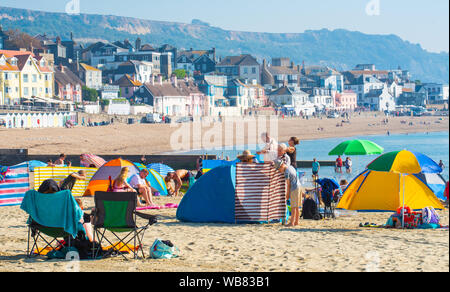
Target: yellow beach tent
<point x="383" y="191"/>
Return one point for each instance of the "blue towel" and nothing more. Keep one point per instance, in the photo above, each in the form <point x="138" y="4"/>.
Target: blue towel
<point x="58" y="210"/>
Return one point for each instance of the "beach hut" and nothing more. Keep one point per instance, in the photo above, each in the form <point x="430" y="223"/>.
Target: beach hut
<point x="384" y="191"/>
<point x="241" y="193"/>
<point x="100" y="180"/>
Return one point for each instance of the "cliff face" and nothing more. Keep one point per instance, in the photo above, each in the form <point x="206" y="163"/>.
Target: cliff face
<point x="339" y="48"/>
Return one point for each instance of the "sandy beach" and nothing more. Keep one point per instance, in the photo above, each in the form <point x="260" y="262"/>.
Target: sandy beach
<point x="149" y="139"/>
<point x="328" y="245"/>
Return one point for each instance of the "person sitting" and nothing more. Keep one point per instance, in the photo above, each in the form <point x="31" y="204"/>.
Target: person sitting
<point x="140" y="184"/>
<point x="69" y="182"/>
<point x="49" y="186"/>
<point x="60" y="160"/>
<point x="120" y="184"/>
<point x="86" y="221"/>
<point x="177" y="177"/>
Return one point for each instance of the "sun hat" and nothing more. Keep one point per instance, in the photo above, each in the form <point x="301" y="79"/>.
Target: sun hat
<point x="246" y="155"/>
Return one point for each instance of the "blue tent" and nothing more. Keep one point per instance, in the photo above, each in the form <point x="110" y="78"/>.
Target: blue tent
<point x="229" y="194"/>
<point x="435" y="182"/>
<point x="211" y="199"/>
<point x="32" y="164"/>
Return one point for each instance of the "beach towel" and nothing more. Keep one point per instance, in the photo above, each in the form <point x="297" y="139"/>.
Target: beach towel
<point x="58" y="210"/>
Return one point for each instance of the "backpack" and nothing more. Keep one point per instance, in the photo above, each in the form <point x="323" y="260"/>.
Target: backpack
<point x="429" y="216"/>
<point x="309" y="210"/>
<point x="163" y="250"/>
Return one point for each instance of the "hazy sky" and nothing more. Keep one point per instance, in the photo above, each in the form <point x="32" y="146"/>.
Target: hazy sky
<point x="419" y="21"/>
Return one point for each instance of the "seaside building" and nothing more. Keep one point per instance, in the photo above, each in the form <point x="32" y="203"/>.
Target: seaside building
<point x="437" y="93"/>
<point x="172" y="98"/>
<point x="346" y="101"/>
<point x="363" y="85"/>
<point x="292" y="100"/>
<point x="91" y="77"/>
<point x="282" y="72"/>
<point x="409" y="97"/>
<point x="379" y="100"/>
<point x="68" y="86"/>
<point x="325" y="77"/>
<point x="241" y="67"/>
<point x="197" y="61"/>
<point x="24" y="76"/>
<point x="139" y="70"/>
<point x="127" y="85"/>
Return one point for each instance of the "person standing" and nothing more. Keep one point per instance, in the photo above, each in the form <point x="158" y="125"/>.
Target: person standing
<point x="270" y="149"/>
<point x="315" y="169"/>
<point x="339" y="164"/>
<point x="292" y="151"/>
<point x="293" y="190"/>
<point x="348" y="165"/>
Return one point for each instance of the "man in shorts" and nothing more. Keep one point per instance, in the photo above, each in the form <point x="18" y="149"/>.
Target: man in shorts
<point x="178" y="178"/>
<point x="315" y="169"/>
<point x="294" y="189"/>
<point x="139" y="183"/>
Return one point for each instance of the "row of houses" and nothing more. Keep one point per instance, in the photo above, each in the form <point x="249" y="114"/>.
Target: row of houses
<point x="141" y="73"/>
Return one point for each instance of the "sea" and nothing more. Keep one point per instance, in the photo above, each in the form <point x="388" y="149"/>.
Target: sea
<point x="433" y="144"/>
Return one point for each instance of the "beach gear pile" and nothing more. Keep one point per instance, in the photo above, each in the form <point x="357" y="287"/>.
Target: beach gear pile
<point x="428" y="218"/>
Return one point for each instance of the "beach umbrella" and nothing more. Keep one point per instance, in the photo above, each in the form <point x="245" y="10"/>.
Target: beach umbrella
<point x="91" y="159"/>
<point x="162" y="169"/>
<point x="404" y="163"/>
<point x="356" y="147"/>
<point x="155" y="179"/>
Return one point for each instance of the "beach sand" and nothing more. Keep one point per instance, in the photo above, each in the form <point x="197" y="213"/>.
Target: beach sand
<point x="121" y="139"/>
<point x="328" y="245"/>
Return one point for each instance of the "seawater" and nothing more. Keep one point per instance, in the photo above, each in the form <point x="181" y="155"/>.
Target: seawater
<point x="435" y="145"/>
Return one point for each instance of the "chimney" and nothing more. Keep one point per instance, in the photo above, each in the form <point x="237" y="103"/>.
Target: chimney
<point x="292" y="65"/>
<point x="152" y="79"/>
<point x="71" y="36"/>
<point x="214" y="54"/>
<point x="160" y="80"/>
<point x="264" y="63"/>
<point x="61" y="68"/>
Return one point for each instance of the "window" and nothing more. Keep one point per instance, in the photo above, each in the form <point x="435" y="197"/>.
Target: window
<point x="25" y="91"/>
<point x="6" y="76"/>
<point x="25" y="77"/>
<point x="253" y="70"/>
<point x="34" y="78"/>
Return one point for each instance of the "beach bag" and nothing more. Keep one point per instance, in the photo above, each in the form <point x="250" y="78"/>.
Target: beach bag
<point x="309" y="210"/>
<point x="429" y="216"/>
<point x="163" y="249"/>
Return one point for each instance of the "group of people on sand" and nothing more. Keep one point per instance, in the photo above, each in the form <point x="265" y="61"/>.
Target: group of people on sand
<point x="284" y="158"/>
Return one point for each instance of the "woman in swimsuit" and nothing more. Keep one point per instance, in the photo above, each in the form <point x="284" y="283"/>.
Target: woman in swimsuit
<point x="120" y="184"/>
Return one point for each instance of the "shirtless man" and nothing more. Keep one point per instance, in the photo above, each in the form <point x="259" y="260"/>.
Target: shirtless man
<point x="178" y="177"/>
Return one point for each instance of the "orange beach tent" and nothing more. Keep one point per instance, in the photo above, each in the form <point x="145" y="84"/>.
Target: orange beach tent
<point x="100" y="180"/>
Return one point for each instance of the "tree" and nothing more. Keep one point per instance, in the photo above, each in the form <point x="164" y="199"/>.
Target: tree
<point x="180" y="73"/>
<point x="89" y="94"/>
<point x="20" y="40"/>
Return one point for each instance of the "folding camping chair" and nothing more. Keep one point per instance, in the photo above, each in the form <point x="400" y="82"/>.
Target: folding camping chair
<point x="116" y="213"/>
<point x="38" y="233"/>
<point x="43" y="239"/>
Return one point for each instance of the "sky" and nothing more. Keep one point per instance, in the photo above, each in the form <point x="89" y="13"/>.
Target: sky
<point x="425" y="22"/>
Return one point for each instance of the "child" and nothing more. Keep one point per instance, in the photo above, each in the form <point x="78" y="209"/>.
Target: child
<point x="294" y="189"/>
<point x="86" y="221"/>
